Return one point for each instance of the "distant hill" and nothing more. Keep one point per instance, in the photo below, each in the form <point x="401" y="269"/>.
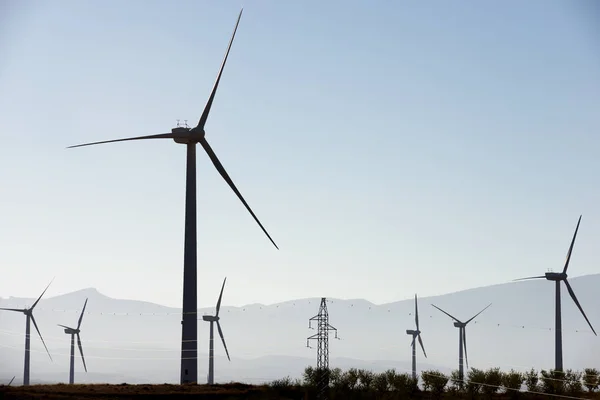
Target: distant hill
<point x="138" y="342"/>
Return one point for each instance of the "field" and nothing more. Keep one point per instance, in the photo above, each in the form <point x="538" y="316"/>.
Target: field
<point x="125" y="391"/>
<point x="227" y="391"/>
<point x="351" y="384"/>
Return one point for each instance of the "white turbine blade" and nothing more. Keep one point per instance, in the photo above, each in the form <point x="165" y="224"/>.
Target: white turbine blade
<point x="220" y="297"/>
<point x="81" y="316"/>
<point x="81" y="351"/>
<point x="422" y="347"/>
<point x="227" y="178"/>
<point x="38" y="331"/>
<point x="159" y="136"/>
<point x="39" y="298"/>
<point x="223" y="339"/>
<point x="211" y="98"/>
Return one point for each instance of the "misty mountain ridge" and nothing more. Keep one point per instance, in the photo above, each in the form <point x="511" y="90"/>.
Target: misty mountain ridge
<point x="139" y="342"/>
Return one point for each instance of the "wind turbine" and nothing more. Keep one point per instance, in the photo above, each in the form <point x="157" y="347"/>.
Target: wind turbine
<point x="73" y="332"/>
<point x="190" y="137"/>
<point x="415" y="334"/>
<point x="557" y="277"/>
<point x="29" y="314"/>
<point x="462" y="339"/>
<point x="211" y="348"/>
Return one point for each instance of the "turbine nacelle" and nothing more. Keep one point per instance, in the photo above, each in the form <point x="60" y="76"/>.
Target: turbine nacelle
<point x="556" y="276"/>
<point x="459" y="324"/>
<point x="190" y="135"/>
<point x="413" y="332"/>
<point x="210" y="318"/>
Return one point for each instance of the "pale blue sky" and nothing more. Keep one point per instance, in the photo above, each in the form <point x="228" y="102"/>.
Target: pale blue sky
<point x="388" y="147"/>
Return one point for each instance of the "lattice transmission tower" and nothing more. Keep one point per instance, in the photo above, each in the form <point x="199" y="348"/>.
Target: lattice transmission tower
<point x="322" y="337"/>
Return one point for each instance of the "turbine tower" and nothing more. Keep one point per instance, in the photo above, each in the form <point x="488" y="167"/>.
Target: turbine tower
<point x="190" y="137"/>
<point x="322" y="337"/>
<point x="211" y="348"/>
<point x="559" y="277"/>
<point x="462" y="339"/>
<point x="73" y="332"/>
<point x="415" y="334"/>
<point x="30" y="318"/>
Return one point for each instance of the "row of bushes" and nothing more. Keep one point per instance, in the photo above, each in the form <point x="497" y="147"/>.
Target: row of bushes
<point x="357" y="383"/>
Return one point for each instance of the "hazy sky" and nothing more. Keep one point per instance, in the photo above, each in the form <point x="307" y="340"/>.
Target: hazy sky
<point x="388" y="147"/>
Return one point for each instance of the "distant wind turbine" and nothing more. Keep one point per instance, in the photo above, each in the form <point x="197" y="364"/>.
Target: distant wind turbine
<point x="211" y="348"/>
<point x="190" y="137"/>
<point x="73" y="332"/>
<point x="30" y="318"/>
<point x="462" y="339"/>
<point x="558" y="277"/>
<point x="415" y="334"/>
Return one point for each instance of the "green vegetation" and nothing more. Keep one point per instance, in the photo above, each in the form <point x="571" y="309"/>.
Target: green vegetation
<point x="349" y="385"/>
<point x="478" y="384"/>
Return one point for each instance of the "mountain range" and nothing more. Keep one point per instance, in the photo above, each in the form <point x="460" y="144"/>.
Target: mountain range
<point x="139" y="342"/>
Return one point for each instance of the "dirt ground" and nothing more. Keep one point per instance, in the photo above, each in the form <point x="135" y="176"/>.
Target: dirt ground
<point x="124" y="391"/>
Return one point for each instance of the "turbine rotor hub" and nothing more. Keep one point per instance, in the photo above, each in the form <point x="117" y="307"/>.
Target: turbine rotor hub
<point x="556" y="276"/>
<point x="189" y="135"/>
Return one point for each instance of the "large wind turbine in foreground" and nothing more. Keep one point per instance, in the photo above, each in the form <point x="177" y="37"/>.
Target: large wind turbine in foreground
<point x="190" y="137"/>
<point x="462" y="339"/>
<point x="415" y="334"/>
<point x="75" y="332"/>
<point x="557" y="277"/>
<point x="211" y="347"/>
<point x="29" y="314"/>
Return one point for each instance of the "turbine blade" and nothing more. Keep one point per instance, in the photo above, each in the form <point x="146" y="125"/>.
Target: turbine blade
<point x="465" y="345"/>
<point x="225" y="176"/>
<point x="64" y="326"/>
<point x="11" y="381"/>
<point x="478" y="314"/>
<point x="220" y="297"/>
<point x="39" y="298"/>
<point x="81" y="351"/>
<point x="206" y="111"/>
<point x="223" y="339"/>
<point x="422" y="347"/>
<point x="572" y="293"/>
<point x="81" y="316"/>
<point x="531" y="277"/>
<point x="412" y="344"/>
<point x="38" y="331"/>
<point x="571" y="247"/>
<point x="416" y="312"/>
<point x="159" y="136"/>
<point x="454" y="318"/>
<point x="12" y="309"/>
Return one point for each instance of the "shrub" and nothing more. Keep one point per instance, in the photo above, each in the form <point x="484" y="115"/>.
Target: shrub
<point x="309" y="376"/>
<point x="380" y="383"/>
<point x="532" y="380"/>
<point x="335" y="377"/>
<point x="350" y="379"/>
<point x="493" y="381"/>
<point x="552" y="381"/>
<point x="475" y="380"/>
<point x="283" y="383"/>
<point x="435" y="381"/>
<point x="366" y="378"/>
<point x="572" y="382"/>
<point x="456" y="383"/>
<point x="591" y="379"/>
<point x="512" y="382"/>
